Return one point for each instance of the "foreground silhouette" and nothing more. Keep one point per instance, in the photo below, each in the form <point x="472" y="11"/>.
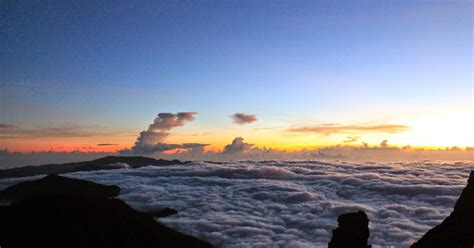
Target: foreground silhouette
<point x="352" y="231"/>
<point x="54" y="186"/>
<point x="105" y="163"/>
<point x="77" y="213"/>
<point x="457" y="230"/>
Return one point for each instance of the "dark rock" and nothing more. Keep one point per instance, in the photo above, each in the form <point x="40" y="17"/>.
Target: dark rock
<point x="85" y="219"/>
<point x="53" y="186"/>
<point x="352" y="231"/>
<point x="457" y="230"/>
<point x="105" y="163"/>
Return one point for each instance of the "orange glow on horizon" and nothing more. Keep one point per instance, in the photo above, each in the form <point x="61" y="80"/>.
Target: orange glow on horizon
<point x="433" y="131"/>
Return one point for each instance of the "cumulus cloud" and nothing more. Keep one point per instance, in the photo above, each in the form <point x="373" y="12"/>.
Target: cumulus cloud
<point x="167" y="121"/>
<point x="291" y="203"/>
<point x="241" y="118"/>
<point x="238" y="146"/>
<point x="331" y="128"/>
<point x="152" y="139"/>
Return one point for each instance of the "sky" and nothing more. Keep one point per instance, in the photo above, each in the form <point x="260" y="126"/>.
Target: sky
<point x="94" y="76"/>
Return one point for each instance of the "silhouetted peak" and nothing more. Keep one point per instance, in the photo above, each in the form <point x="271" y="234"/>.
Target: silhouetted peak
<point x="352" y="231"/>
<point x="64" y="212"/>
<point x="54" y="185"/>
<point x="105" y="163"/>
<point x="457" y="230"/>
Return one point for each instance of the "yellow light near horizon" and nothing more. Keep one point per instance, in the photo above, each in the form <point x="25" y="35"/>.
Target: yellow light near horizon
<point x="445" y="129"/>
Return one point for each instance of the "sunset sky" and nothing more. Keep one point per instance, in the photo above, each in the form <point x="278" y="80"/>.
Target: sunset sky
<point x="92" y="75"/>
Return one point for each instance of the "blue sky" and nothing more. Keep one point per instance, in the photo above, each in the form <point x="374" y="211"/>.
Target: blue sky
<point x="117" y="64"/>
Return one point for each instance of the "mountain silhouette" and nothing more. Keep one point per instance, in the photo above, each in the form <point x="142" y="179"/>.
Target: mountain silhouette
<point x="77" y="213"/>
<point x="105" y="163"/>
<point x="457" y="230"/>
<point x="54" y="186"/>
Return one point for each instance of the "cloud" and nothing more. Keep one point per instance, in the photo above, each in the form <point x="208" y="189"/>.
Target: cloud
<point x="6" y="126"/>
<point x="328" y="129"/>
<point x="152" y="140"/>
<point x="276" y="203"/>
<point x="238" y="146"/>
<point x="195" y="147"/>
<point x="106" y="144"/>
<point x="62" y="131"/>
<point x="384" y="144"/>
<point x="242" y="119"/>
<point x="351" y="139"/>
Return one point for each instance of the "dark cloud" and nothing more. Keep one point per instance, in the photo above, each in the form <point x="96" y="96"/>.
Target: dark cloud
<point x="195" y="148"/>
<point x="238" y="146"/>
<point x="193" y="145"/>
<point x="384" y="144"/>
<point x="162" y="147"/>
<point x="351" y="139"/>
<point x="65" y="131"/>
<point x="152" y="140"/>
<point x="7" y="126"/>
<point x="328" y="129"/>
<point x="241" y="118"/>
<point x="106" y="144"/>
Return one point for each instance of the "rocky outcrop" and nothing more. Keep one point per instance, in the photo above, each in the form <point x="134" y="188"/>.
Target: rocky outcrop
<point x="457" y="230"/>
<point x="352" y="231"/>
<point x="105" y="163"/>
<point x="54" y="186"/>
<point x="87" y="218"/>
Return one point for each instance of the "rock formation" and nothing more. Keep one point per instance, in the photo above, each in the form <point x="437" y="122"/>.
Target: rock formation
<point x="76" y="213"/>
<point x="54" y="186"/>
<point x="352" y="231"/>
<point x="457" y="230"/>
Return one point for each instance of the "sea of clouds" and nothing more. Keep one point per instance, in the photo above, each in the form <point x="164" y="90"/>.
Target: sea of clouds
<point x="291" y="203"/>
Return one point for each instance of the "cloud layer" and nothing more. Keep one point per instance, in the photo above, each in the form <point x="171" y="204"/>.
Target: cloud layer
<point x="8" y="131"/>
<point x="241" y="118"/>
<point x="330" y="128"/>
<point x="291" y="203"/>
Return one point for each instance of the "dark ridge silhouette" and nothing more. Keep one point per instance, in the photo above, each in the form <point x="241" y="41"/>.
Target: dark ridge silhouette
<point x="352" y="231"/>
<point x="457" y="230"/>
<point x="163" y="212"/>
<point x="54" y="185"/>
<point x="105" y="163"/>
<point x="85" y="219"/>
